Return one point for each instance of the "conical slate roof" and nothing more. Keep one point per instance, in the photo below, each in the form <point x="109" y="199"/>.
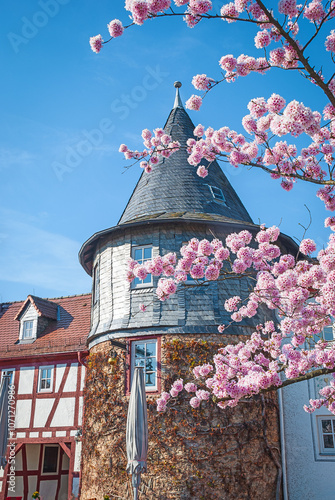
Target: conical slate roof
<point x="174" y="187"/>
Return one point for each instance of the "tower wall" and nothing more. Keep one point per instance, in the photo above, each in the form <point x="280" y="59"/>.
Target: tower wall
<point x="193" y="454"/>
<point x="203" y="454"/>
<point x="194" y="308"/>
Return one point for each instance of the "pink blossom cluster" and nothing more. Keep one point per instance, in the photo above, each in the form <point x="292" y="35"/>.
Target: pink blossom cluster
<point x="202" y="82"/>
<point x="96" y="43"/>
<point x="176" y="388"/>
<point x="272" y="117"/>
<point x="115" y="28"/>
<point x="243" y="65"/>
<point x="247" y="368"/>
<point x="330" y="41"/>
<point x="157" y="146"/>
<point x="141" y="10"/>
<point x="194" y="102"/>
<point x="327" y="398"/>
<point x="303" y="292"/>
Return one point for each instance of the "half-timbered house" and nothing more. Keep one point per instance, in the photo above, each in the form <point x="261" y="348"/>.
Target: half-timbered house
<point x="43" y="347"/>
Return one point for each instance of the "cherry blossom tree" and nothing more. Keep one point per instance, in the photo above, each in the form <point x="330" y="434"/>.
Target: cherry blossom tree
<point x="299" y="288"/>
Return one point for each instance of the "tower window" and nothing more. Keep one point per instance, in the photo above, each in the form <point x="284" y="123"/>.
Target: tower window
<point x="144" y="354"/>
<point x="217" y="194"/>
<point x="141" y="255"/>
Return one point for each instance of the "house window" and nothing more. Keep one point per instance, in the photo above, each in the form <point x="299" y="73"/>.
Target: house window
<point x="96" y="280"/>
<point x="45" y="379"/>
<point x="141" y="255"/>
<point x="144" y="354"/>
<point x="328" y="333"/>
<point x="217" y="194"/>
<point x="11" y="375"/>
<point x="50" y="459"/>
<point x="27" y="332"/>
<point x="326" y="428"/>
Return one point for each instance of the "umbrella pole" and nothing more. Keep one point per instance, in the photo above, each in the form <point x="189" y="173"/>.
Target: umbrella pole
<point x="135" y="493"/>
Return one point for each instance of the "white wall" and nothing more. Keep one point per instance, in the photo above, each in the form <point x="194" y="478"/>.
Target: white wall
<point x="310" y="475"/>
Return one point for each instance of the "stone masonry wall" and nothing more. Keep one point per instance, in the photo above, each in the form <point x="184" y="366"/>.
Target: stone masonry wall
<point x="203" y="454"/>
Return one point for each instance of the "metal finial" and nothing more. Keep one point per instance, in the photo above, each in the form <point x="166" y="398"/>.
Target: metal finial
<point x="177" y="101"/>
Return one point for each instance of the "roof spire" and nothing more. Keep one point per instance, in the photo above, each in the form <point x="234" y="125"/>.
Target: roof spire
<point x="177" y="101"/>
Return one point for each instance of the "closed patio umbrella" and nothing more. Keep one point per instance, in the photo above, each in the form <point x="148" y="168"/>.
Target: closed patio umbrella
<point x="3" y="419"/>
<point x="137" y="430"/>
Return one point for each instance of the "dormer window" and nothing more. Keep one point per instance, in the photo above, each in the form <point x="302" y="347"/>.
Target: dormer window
<point x="217" y="194"/>
<point x="27" y="331"/>
<point x="34" y="317"/>
<point x="28" y="326"/>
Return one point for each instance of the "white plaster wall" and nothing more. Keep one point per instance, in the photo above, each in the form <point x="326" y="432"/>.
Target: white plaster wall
<point x="33" y="456"/>
<point x="77" y="456"/>
<point x="22" y="414"/>
<point x="308" y="475"/>
<point x="65" y="462"/>
<point x="60" y="369"/>
<point x="42" y="411"/>
<point x="63" y="488"/>
<point x="26" y="380"/>
<point x="64" y="414"/>
<point x="71" y="381"/>
<point x="60" y="433"/>
<point x="18" y="461"/>
<point x="80" y="412"/>
<point x="32" y="485"/>
<point x="48" y="489"/>
<point x="18" y="488"/>
<point x="82" y="380"/>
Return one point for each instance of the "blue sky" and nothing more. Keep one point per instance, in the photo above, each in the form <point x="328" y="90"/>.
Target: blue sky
<point x="66" y="110"/>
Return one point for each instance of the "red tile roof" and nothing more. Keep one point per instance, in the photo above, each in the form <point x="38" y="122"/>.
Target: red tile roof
<point x="67" y="334"/>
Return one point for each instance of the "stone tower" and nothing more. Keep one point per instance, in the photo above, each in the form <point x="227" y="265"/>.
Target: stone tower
<point x="192" y="454"/>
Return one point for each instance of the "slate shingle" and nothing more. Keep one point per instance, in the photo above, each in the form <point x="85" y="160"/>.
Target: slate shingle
<point x="174" y="186"/>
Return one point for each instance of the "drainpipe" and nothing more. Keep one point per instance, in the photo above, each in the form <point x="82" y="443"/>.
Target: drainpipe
<point x="282" y="442"/>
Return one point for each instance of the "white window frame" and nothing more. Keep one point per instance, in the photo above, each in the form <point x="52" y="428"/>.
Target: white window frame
<point x="4" y="371"/>
<point x="134" y="344"/>
<point x="58" y="456"/>
<point x="221" y="198"/>
<point x="24" y="322"/>
<point x="319" y="419"/>
<point x="40" y="373"/>
<point x="29" y="329"/>
<point x="137" y="283"/>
